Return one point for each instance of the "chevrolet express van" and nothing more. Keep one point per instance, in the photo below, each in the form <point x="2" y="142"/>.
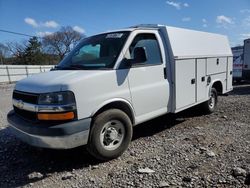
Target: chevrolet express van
<point x="113" y="81"/>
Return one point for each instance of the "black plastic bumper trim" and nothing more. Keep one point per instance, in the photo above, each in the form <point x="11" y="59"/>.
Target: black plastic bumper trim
<point x="42" y="128"/>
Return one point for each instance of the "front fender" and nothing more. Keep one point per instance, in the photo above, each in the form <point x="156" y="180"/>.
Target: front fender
<point x="112" y="101"/>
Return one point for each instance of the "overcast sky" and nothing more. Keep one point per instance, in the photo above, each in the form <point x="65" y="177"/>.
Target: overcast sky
<point x="42" y="17"/>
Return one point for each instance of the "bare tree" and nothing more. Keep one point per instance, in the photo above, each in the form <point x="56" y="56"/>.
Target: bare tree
<point x="60" y="42"/>
<point x="17" y="49"/>
<point x="3" y="52"/>
<point x="28" y="53"/>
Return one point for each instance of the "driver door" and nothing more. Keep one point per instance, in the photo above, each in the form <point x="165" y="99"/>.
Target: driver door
<point x="148" y="85"/>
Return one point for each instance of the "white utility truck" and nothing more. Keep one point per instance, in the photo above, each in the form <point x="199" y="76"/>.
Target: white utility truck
<point x="115" y="80"/>
<point x="246" y="60"/>
<point x="237" y="62"/>
<point x="241" y="61"/>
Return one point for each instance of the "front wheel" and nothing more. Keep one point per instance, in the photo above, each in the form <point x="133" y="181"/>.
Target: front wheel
<point x="110" y="134"/>
<point x="210" y="105"/>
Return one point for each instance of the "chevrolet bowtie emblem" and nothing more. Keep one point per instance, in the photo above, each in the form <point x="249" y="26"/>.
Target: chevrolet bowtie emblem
<point x="20" y="104"/>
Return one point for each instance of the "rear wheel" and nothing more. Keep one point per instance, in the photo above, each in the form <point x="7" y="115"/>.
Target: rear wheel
<point x="110" y="134"/>
<point x="210" y="105"/>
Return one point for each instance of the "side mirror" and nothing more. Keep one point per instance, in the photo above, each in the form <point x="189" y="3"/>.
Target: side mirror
<point x="139" y="55"/>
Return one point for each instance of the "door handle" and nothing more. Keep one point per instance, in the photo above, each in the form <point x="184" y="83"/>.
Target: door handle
<point x="165" y="72"/>
<point x="203" y="78"/>
<point x="193" y="81"/>
<point x="208" y="80"/>
<point x="218" y="61"/>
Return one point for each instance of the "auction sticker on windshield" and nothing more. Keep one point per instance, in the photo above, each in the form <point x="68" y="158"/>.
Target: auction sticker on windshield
<point x="114" y="35"/>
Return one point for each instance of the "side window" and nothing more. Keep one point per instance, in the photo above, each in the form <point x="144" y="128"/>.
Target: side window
<point x="151" y="46"/>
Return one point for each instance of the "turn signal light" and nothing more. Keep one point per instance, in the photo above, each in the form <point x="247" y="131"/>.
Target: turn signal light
<point x="59" y="116"/>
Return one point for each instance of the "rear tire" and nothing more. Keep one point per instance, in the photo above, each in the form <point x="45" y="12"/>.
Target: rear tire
<point x="210" y="105"/>
<point x="110" y="134"/>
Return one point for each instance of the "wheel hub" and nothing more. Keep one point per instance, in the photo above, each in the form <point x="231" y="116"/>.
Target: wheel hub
<point x="111" y="134"/>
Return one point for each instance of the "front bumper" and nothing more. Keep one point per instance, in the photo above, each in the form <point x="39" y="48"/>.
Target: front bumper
<point x="60" y="136"/>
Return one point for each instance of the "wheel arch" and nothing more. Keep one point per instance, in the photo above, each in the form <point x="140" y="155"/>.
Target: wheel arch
<point x="217" y="84"/>
<point x="118" y="103"/>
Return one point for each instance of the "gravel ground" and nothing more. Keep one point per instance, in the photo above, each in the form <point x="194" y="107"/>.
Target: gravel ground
<point x="186" y="150"/>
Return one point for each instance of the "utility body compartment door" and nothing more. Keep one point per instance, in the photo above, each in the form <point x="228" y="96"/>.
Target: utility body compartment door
<point x="185" y="81"/>
<point x="190" y="82"/>
<point x="216" y="65"/>
<point x="201" y="87"/>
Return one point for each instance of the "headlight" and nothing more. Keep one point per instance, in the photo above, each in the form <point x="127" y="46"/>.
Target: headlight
<point x="57" y="98"/>
<point x="57" y="106"/>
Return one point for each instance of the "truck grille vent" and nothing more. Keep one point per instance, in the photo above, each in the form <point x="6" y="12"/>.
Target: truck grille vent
<point x="26" y="97"/>
<point x="29" y="98"/>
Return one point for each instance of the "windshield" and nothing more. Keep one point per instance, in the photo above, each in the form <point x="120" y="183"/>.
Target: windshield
<point x="96" y="52"/>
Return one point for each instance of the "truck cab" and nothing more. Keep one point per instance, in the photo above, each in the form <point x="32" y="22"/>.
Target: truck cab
<point x="113" y="81"/>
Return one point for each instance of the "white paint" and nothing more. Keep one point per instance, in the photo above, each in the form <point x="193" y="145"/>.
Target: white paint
<point x="185" y="90"/>
<point x="201" y="86"/>
<point x="190" y="43"/>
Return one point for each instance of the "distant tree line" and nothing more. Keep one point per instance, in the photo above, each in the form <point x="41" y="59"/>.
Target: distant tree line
<point x="49" y="49"/>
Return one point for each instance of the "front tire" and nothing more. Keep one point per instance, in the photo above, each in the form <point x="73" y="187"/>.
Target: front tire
<point x="210" y="105"/>
<point x="110" y="134"/>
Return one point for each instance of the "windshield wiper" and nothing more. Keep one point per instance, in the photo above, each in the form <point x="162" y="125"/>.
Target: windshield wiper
<point x="80" y="67"/>
<point x="76" y="66"/>
<point x="70" y="67"/>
